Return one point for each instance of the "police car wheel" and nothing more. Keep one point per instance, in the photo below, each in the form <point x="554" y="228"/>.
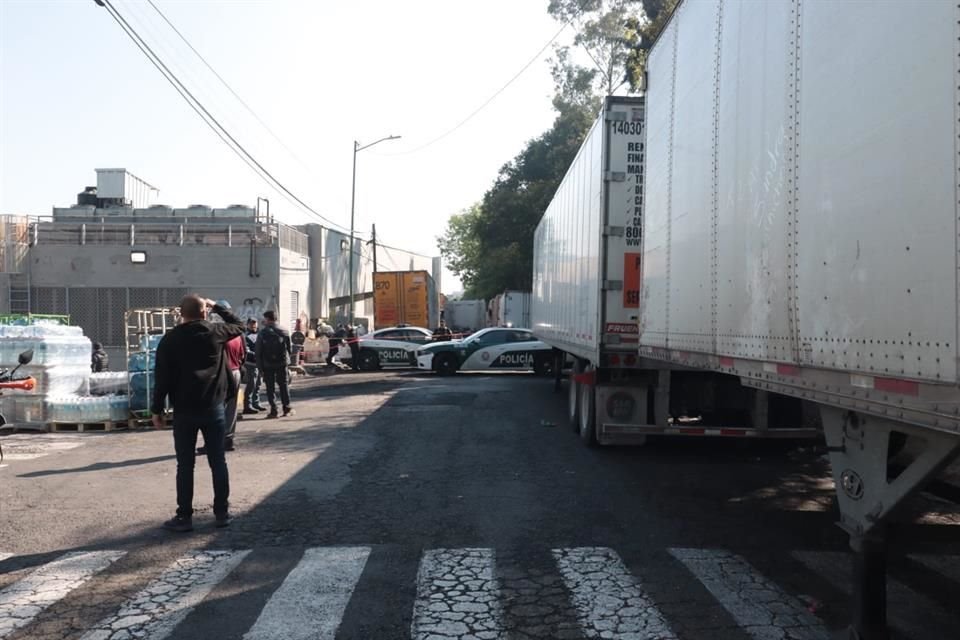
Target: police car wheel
<point x="543" y="364"/>
<point x="445" y="364"/>
<point x="368" y="360"/>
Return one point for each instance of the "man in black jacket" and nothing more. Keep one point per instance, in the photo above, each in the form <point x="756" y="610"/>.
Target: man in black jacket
<point x="191" y="369"/>
<point x="273" y="358"/>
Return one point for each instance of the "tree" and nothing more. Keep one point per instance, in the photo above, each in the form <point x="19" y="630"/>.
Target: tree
<point x="642" y="33"/>
<point x="602" y="29"/>
<point x="490" y="244"/>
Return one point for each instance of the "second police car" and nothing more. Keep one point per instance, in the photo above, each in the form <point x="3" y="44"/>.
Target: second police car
<point x="391" y="347"/>
<point x="493" y="349"/>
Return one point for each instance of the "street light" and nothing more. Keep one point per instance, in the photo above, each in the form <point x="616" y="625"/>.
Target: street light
<point x="353" y="194"/>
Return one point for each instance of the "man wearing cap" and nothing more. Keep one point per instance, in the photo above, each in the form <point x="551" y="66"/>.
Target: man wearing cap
<point x="273" y="358"/>
<point x="192" y="370"/>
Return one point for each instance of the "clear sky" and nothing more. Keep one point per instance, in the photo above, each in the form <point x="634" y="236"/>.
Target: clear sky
<point x="75" y="94"/>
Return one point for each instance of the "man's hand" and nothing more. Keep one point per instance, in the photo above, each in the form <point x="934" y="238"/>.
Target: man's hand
<point x="210" y="303"/>
<point x="157" y="421"/>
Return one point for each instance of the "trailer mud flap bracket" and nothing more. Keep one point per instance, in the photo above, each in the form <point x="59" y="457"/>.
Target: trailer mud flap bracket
<point x="859" y="449"/>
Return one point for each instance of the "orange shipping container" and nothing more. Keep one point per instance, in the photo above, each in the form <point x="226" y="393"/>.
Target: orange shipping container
<point x="404" y="297"/>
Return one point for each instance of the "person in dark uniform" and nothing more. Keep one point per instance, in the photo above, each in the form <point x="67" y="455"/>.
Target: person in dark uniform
<point x="354" y="348"/>
<point x="335" y="341"/>
<point x="99" y="360"/>
<point x="442" y="333"/>
<point x="297" y="339"/>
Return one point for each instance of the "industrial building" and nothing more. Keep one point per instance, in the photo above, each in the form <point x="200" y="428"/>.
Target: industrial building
<point x="116" y="249"/>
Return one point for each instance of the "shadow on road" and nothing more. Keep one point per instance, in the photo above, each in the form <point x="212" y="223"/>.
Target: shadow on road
<point x="98" y="466"/>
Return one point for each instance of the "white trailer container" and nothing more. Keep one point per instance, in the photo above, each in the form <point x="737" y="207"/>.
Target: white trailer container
<point x="800" y="230"/>
<point x="586" y="304"/>
<point x="514" y="309"/>
<point x="465" y="315"/>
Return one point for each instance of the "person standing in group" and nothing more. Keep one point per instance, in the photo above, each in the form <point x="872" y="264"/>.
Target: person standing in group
<point x="251" y="393"/>
<point x="236" y="352"/>
<point x="273" y="358"/>
<point x="297" y="340"/>
<point x="335" y="343"/>
<point x="442" y="333"/>
<point x="354" y="347"/>
<point x="99" y="361"/>
<point x="192" y="370"/>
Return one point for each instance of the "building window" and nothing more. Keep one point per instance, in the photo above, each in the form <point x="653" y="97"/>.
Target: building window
<point x="138" y="257"/>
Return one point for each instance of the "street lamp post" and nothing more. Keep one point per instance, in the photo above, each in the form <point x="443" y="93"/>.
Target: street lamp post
<point x="353" y="196"/>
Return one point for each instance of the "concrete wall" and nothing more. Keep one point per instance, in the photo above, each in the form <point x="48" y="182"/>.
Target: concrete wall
<point x="330" y="269"/>
<point x="96" y="284"/>
<point x="294" y="288"/>
<point x="192" y="266"/>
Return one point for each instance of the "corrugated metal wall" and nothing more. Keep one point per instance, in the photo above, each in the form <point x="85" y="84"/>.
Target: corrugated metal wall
<point x="100" y="310"/>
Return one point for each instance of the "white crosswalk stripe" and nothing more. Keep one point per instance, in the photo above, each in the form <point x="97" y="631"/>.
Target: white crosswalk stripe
<point x="609" y="600"/>
<point x="761" y="608"/>
<point x="4" y="555"/>
<point x="923" y="619"/>
<point x="457" y="596"/>
<point x="25" y="599"/>
<point x="164" y="603"/>
<point x="310" y="603"/>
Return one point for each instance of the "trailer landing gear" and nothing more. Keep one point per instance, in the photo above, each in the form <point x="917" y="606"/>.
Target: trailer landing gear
<point x="868" y="492"/>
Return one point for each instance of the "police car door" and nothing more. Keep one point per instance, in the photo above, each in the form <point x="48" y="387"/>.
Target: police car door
<point x="496" y="351"/>
<point x="392" y="347"/>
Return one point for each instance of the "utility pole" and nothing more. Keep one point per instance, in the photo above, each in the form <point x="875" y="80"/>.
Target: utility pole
<point x="353" y="196"/>
<point x="373" y="240"/>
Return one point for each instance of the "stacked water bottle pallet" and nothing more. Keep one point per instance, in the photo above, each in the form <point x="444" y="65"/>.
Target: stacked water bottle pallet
<point x="60" y="365"/>
<point x="87" y="413"/>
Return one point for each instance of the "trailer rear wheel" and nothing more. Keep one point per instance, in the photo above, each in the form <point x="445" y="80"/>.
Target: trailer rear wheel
<point x="573" y="398"/>
<point x="588" y="415"/>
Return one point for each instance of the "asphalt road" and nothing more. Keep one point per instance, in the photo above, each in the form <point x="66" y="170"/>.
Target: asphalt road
<point x="400" y="505"/>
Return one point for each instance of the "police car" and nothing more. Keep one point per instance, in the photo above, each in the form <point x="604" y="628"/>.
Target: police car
<point x="493" y="349"/>
<point x="391" y="347"/>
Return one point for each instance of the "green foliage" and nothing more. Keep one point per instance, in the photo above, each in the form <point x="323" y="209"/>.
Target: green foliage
<point x="601" y="34"/>
<point x="642" y="33"/>
<point x="490" y="244"/>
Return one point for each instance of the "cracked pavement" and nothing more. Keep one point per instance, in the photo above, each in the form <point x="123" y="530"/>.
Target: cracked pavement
<point x="469" y="516"/>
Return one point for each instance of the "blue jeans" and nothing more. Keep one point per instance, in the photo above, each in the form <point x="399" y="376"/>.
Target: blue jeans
<point x="186" y="426"/>
<point x="251" y="395"/>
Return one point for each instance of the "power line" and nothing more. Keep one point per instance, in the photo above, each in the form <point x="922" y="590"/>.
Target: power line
<point x="488" y="100"/>
<point x="206" y="116"/>
<point x="227" y="85"/>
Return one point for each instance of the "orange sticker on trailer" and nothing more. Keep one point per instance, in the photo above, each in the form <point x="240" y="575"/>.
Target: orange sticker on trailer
<point x="631" y="280"/>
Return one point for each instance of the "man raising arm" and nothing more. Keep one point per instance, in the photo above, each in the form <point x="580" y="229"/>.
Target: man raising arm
<point x="192" y="370"/>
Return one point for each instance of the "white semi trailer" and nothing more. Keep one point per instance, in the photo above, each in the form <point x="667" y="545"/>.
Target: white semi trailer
<point x="465" y="315"/>
<point x="793" y="181"/>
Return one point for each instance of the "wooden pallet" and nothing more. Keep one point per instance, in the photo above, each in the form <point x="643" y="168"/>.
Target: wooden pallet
<point x="147" y="423"/>
<point x="86" y="426"/>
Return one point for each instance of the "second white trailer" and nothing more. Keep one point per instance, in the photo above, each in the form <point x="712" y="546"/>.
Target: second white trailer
<point x="586" y="304"/>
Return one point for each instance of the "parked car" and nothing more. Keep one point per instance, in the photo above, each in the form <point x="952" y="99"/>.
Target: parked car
<point x="493" y="349"/>
<point x="391" y="347"/>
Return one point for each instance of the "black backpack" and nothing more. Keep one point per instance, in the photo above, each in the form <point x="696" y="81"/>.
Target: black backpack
<point x="272" y="349"/>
